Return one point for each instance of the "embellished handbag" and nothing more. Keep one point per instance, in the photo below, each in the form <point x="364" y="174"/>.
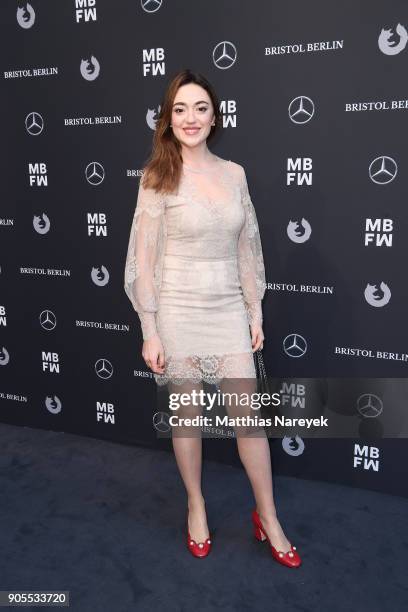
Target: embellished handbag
<point x="262" y="379"/>
<point x="263" y="386"/>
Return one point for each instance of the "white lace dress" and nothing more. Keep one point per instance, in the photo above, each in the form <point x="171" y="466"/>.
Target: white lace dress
<point x="195" y="274"/>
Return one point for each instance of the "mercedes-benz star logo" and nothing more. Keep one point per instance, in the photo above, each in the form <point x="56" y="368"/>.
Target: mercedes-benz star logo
<point x="294" y="345"/>
<point x="383" y="170"/>
<point x="34" y="123"/>
<point x="48" y="320"/>
<point x="94" y="173"/>
<point x="151" y="6"/>
<point x="225" y="55"/>
<point x="301" y="109"/>
<point x="104" y="368"/>
<point x="369" y="405"/>
<point x="161" y="422"/>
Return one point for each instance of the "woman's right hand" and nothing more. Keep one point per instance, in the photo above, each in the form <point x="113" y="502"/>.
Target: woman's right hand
<point x="153" y="354"/>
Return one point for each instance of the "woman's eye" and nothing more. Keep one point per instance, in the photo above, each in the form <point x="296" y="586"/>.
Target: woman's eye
<point x="203" y="108"/>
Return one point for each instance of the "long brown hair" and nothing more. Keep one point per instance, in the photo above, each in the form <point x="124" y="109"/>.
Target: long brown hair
<point x="162" y="170"/>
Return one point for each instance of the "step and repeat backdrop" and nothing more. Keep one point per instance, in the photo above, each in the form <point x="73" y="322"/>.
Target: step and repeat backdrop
<point x="314" y="104"/>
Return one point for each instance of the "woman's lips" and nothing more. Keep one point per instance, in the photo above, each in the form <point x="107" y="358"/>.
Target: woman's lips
<point x="191" y="130"/>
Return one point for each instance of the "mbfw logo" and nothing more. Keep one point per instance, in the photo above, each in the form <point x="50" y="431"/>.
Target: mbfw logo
<point x="3" y="317"/>
<point x="50" y="362"/>
<point x="294" y="345"/>
<point x="105" y="413"/>
<point x="41" y="223"/>
<point x="53" y="404"/>
<point x="392" y="43"/>
<point x="85" y="10"/>
<point x="153" y="61"/>
<point x="37" y="174"/>
<point x="228" y="110"/>
<point x="100" y="276"/>
<point x="97" y="224"/>
<point x="224" y="55"/>
<point x="366" y="457"/>
<point x="34" y="123"/>
<point x="293" y="446"/>
<point x="377" y="295"/>
<point x="299" y="171"/>
<point x="383" y="170"/>
<point x="301" y="109"/>
<point x="90" y="68"/>
<point x="152" y="116"/>
<point x="25" y="16"/>
<point x="378" y="232"/>
<point x="299" y="231"/>
<point x="292" y="395"/>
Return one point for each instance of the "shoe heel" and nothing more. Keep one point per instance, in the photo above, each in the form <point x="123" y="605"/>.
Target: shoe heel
<point x="259" y="534"/>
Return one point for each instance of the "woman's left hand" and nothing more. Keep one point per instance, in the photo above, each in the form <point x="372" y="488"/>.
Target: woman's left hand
<point x="257" y="337"/>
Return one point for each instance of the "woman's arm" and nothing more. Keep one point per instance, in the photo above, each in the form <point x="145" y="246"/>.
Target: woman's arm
<point x="144" y="260"/>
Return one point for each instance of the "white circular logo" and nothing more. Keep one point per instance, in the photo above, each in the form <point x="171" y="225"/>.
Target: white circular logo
<point x="393" y="47"/>
<point x="151" y="6"/>
<point x="301" y="109"/>
<point x="383" y="170"/>
<point x="377" y="295"/>
<point x="104" y="368"/>
<point x="161" y="422"/>
<point x="369" y="405"/>
<point x="94" y="173"/>
<point x="299" y="231"/>
<point x="293" y="446"/>
<point x="90" y="68"/>
<point x="48" y="320"/>
<point x="34" y="123"/>
<point x="294" y="345"/>
<point x="225" y="55"/>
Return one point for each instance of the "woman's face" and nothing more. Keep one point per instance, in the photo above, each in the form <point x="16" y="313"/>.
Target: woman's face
<point x="192" y="115"/>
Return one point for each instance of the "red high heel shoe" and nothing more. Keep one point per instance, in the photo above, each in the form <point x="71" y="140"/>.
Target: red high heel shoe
<point x="290" y="558"/>
<point x="200" y="549"/>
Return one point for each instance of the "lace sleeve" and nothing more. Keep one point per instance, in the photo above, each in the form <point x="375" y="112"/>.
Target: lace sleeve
<point x="250" y="258"/>
<point x="144" y="260"/>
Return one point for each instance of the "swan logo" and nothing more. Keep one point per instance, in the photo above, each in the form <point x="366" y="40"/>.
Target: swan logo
<point x="224" y="55"/>
<point x="383" y="170"/>
<point x="369" y="405"/>
<point x="395" y="47"/>
<point x="293" y="446"/>
<point x="34" y="124"/>
<point x="299" y="231"/>
<point x="100" y="276"/>
<point x="4" y="356"/>
<point x="377" y="296"/>
<point x="25" y="16"/>
<point x="90" y="68"/>
<point x="53" y="404"/>
<point x="41" y="223"/>
<point x="152" y="116"/>
<point x="301" y="109"/>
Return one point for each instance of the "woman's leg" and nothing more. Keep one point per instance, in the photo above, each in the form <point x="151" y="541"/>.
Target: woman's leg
<point x="187" y="445"/>
<point x="254" y="452"/>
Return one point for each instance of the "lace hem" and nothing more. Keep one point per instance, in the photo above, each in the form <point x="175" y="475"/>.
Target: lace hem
<point x="207" y="368"/>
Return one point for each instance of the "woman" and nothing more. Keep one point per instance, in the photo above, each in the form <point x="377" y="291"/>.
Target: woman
<point x="195" y="276"/>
